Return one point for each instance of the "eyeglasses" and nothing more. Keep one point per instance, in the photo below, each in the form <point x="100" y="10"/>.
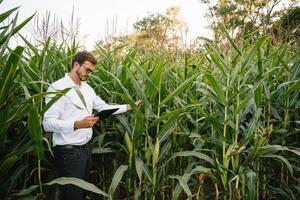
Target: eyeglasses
<point x="87" y="70"/>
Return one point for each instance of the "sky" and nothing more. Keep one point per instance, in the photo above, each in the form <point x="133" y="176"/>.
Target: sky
<point x="97" y="16"/>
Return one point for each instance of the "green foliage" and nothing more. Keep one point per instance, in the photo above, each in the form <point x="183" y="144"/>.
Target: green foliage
<point x="63" y="181"/>
<point x="156" y="33"/>
<point x="246" y="19"/>
<point x="287" y="27"/>
<point x="22" y="85"/>
<point x="223" y="122"/>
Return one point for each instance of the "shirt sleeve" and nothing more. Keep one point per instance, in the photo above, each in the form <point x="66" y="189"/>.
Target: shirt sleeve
<point x="99" y="105"/>
<point x="51" y="120"/>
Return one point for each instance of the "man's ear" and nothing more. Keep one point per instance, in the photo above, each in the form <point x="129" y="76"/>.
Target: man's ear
<point x="76" y="65"/>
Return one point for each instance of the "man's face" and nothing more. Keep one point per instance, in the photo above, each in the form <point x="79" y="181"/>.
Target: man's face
<point x="85" y="70"/>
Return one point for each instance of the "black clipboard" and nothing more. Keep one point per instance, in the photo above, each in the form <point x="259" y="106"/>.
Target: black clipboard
<point x="106" y="113"/>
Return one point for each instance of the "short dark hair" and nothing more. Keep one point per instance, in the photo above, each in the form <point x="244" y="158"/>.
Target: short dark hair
<point x="83" y="56"/>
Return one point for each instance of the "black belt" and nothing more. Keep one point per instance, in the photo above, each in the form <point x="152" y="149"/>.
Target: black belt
<point x="70" y="146"/>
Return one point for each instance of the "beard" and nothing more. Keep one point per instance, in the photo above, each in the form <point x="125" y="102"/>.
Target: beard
<point x="81" y="77"/>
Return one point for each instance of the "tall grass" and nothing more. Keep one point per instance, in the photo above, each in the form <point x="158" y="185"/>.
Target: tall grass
<point x="220" y="124"/>
<point x="219" y="121"/>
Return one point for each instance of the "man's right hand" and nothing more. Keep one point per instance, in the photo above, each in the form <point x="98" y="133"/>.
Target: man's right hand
<point x="86" y="122"/>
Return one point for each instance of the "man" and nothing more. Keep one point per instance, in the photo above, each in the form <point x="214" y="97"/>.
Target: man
<point x="71" y="120"/>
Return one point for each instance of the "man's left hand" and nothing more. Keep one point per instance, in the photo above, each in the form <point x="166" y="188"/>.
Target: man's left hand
<point x="137" y="103"/>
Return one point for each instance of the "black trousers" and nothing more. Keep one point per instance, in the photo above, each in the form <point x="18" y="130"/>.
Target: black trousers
<point x="73" y="161"/>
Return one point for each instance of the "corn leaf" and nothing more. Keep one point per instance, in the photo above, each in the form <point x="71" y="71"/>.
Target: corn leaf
<point x="36" y="133"/>
<point x="8" y="73"/>
<point x="179" y="89"/>
<point x="116" y="179"/>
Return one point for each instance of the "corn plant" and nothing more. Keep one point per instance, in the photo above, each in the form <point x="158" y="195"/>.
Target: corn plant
<point x="221" y="123"/>
<point x="228" y="126"/>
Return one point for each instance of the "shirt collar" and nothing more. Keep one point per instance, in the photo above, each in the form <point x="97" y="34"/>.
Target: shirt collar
<point x="71" y="82"/>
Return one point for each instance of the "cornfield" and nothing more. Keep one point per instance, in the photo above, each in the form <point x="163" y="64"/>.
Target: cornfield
<point x="223" y="124"/>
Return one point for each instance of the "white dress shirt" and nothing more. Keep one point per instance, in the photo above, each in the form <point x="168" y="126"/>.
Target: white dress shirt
<point x="60" y="117"/>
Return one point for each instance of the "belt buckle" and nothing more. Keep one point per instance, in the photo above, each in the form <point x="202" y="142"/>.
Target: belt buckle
<point x="69" y="146"/>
